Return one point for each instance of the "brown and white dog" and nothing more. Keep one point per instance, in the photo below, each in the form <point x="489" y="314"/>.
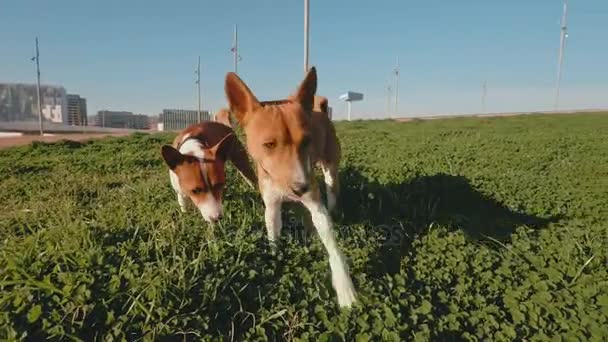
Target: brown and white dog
<point x="196" y="162"/>
<point x="285" y="139"/>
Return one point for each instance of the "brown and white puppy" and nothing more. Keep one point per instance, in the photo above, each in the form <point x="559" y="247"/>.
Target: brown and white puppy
<point x="285" y="139"/>
<point x="196" y="162"/>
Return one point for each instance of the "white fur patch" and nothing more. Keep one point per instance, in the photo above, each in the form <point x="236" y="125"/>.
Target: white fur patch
<point x="181" y="197"/>
<point x="339" y="271"/>
<point x="191" y="147"/>
<point x="272" y="214"/>
<point x="329" y="182"/>
<point x="211" y="209"/>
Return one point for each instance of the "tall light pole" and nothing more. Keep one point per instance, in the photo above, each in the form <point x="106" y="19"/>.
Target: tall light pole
<point x="235" y="48"/>
<point x="562" y="46"/>
<point x="306" y="29"/>
<point x="397" y="87"/>
<point x="388" y="100"/>
<point x="484" y="91"/>
<point x="198" y="85"/>
<point x="37" y="59"/>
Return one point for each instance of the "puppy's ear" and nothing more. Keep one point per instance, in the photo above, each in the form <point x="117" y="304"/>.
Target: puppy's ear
<point x="241" y="100"/>
<point x="222" y="149"/>
<point x="230" y="148"/>
<point x="306" y="92"/>
<point x="238" y="156"/>
<point x="171" y="156"/>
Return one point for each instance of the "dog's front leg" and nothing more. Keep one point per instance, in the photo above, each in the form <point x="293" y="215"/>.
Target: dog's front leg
<point x="339" y="272"/>
<point x="330" y="174"/>
<point x="272" y="213"/>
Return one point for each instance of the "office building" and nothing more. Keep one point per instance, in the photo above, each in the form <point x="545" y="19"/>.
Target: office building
<point x="77" y="110"/>
<point x="177" y="119"/>
<point x="19" y="102"/>
<point x="119" y="119"/>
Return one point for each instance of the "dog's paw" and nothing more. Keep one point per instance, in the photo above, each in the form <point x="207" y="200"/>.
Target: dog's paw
<point x="345" y="290"/>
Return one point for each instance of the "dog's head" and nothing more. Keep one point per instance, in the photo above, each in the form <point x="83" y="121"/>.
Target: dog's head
<point x="200" y="172"/>
<point x="278" y="132"/>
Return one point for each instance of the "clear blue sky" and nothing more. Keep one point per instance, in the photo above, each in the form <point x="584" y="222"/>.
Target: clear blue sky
<point x="140" y="55"/>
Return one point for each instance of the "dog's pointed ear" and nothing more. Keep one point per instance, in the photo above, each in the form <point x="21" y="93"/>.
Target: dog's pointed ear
<point x="306" y="92"/>
<point x="230" y="148"/>
<point x="223" y="148"/>
<point x="241" y="100"/>
<point x="239" y="158"/>
<point x="171" y="156"/>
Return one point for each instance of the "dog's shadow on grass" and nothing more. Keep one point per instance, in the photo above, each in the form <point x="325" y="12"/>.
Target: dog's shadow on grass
<point x="402" y="211"/>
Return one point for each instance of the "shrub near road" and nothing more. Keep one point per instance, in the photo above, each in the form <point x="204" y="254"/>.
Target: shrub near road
<point x="477" y="229"/>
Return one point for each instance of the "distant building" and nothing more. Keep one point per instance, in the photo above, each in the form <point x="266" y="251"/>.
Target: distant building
<point x="19" y="102"/>
<point x="114" y="119"/>
<point x="153" y="122"/>
<point x="77" y="110"/>
<point x="176" y="119"/>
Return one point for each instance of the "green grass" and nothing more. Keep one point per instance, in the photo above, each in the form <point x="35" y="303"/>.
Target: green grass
<point x="475" y="229"/>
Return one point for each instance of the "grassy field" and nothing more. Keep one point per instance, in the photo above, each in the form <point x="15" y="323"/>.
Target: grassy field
<point x="475" y="229"/>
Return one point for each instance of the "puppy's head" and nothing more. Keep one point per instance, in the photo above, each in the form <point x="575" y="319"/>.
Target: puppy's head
<point x="278" y="133"/>
<point x="200" y="172"/>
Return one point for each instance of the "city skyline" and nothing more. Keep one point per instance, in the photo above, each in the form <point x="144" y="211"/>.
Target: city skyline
<point x="142" y="58"/>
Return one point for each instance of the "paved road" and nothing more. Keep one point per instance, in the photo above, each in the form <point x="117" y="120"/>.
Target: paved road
<point x="27" y="139"/>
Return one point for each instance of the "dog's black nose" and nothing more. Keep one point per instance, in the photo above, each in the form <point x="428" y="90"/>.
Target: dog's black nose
<point x="299" y="188"/>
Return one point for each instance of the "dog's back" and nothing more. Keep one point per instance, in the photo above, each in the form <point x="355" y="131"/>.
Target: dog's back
<point x="208" y="133"/>
<point x="223" y="116"/>
<point x="326" y="143"/>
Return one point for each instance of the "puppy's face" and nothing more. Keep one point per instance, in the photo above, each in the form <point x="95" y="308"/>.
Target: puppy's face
<point x="201" y="178"/>
<point x="278" y="135"/>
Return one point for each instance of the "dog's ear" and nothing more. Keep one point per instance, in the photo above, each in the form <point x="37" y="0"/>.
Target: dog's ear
<point x="306" y="92"/>
<point x="241" y="100"/>
<point x="238" y="156"/>
<point x="171" y="156"/>
<point x="223" y="148"/>
<point x="230" y="148"/>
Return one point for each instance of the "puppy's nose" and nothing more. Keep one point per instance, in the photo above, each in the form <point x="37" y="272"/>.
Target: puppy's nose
<point x="214" y="217"/>
<point x="299" y="188"/>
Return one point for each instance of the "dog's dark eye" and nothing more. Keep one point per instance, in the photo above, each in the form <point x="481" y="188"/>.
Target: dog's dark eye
<point x="197" y="191"/>
<point x="270" y="145"/>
